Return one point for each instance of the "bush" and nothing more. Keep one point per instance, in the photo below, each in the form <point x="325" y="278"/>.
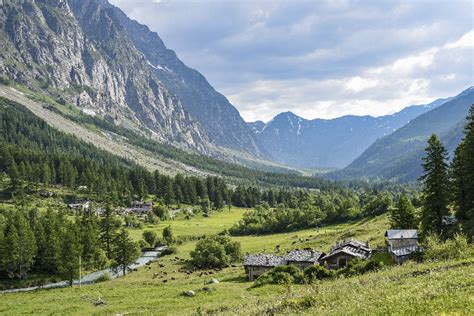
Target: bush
<point x="161" y="211"/>
<point x="455" y="248"/>
<point x="359" y="266"/>
<point x="103" y="278"/>
<point x="168" y="236"/>
<point x="143" y="244"/>
<point x="215" y="252"/>
<point x="169" y="251"/>
<point x="281" y="275"/>
<point x="150" y="237"/>
<point x="317" y="272"/>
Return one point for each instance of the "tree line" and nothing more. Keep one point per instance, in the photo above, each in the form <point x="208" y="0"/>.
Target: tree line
<point x="54" y="243"/>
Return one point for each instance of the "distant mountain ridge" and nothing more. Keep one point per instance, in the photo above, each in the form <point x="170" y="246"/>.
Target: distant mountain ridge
<point x="398" y="156"/>
<point x="333" y="143"/>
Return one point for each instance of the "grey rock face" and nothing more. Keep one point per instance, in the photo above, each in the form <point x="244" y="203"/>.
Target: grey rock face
<point x="214" y="112"/>
<point x="78" y="49"/>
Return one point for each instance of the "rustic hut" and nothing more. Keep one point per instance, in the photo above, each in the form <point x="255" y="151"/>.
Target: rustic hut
<point x="402" y="243"/>
<point x="303" y="258"/>
<point x="257" y="264"/>
<point x="345" y="251"/>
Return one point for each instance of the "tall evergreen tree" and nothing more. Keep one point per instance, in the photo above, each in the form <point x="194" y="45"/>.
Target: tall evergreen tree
<point x="92" y="254"/>
<point x="463" y="177"/>
<point x="51" y="224"/>
<point x="125" y="251"/>
<point x="19" y="246"/>
<point x="435" y="187"/>
<point x="14" y="175"/>
<point x="108" y="230"/>
<point x="69" y="262"/>
<point x="41" y="246"/>
<point x="403" y="215"/>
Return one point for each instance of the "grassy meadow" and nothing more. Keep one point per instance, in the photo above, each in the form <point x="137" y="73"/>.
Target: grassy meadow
<point x="428" y="288"/>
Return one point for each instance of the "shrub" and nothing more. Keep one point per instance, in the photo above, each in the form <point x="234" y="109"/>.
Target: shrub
<point x="317" y="272"/>
<point x="215" y="252"/>
<point x="359" y="266"/>
<point x="143" y="244"/>
<point x="161" y="211"/>
<point x="169" y="251"/>
<point x="168" y="236"/>
<point x="281" y="275"/>
<point x="150" y="237"/>
<point x="103" y="278"/>
<point x="455" y="248"/>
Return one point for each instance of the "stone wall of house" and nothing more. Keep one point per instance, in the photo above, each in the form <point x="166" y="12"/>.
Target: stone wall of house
<point x="339" y="261"/>
<point x="254" y="272"/>
<point x="406" y="242"/>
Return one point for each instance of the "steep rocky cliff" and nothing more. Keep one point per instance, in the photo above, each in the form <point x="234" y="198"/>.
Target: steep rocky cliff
<point x="78" y="52"/>
<point x="220" y="119"/>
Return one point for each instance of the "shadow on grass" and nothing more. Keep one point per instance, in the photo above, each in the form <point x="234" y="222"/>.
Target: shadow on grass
<point x="236" y="279"/>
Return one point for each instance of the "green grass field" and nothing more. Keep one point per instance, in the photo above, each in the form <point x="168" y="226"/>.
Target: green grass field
<point x="428" y="288"/>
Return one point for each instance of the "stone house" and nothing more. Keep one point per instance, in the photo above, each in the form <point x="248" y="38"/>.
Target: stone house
<point x="345" y="251"/>
<point x="140" y="207"/>
<point x="257" y="264"/>
<point x="79" y="204"/>
<point x="303" y="258"/>
<point x="402" y="243"/>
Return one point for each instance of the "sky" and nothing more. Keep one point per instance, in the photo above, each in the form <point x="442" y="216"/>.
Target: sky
<point x="319" y="59"/>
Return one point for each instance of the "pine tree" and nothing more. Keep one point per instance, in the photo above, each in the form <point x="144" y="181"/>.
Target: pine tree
<point x="70" y="252"/>
<point x="435" y="187"/>
<point x="92" y="254"/>
<point x="10" y="255"/>
<point x="403" y="216"/>
<point x="125" y="251"/>
<point x="20" y="246"/>
<point x="51" y="225"/>
<point x="46" y="174"/>
<point x="14" y="176"/>
<point x="41" y="246"/>
<point x="463" y="177"/>
<point x="108" y="230"/>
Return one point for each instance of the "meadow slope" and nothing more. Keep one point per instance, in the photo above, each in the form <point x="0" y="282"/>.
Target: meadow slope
<point x="428" y="288"/>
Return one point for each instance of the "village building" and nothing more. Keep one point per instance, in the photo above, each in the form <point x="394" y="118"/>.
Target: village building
<point x="257" y="264"/>
<point x="303" y="258"/>
<point x="46" y="194"/>
<point x="449" y="220"/>
<point x="140" y="207"/>
<point x="345" y="251"/>
<point x="402" y="243"/>
<point x="79" y="204"/>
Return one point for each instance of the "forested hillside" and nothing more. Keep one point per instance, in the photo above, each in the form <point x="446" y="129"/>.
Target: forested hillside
<point x="398" y="156"/>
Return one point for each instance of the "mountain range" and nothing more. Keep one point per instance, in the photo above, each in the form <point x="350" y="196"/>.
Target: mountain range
<point x="88" y="56"/>
<point x="398" y="156"/>
<point x="335" y="143"/>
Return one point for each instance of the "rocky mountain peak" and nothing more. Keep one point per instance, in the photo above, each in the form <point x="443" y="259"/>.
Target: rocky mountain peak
<point x="79" y="50"/>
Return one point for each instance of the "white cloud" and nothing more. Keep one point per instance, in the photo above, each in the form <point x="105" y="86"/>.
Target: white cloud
<point x="319" y="58"/>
